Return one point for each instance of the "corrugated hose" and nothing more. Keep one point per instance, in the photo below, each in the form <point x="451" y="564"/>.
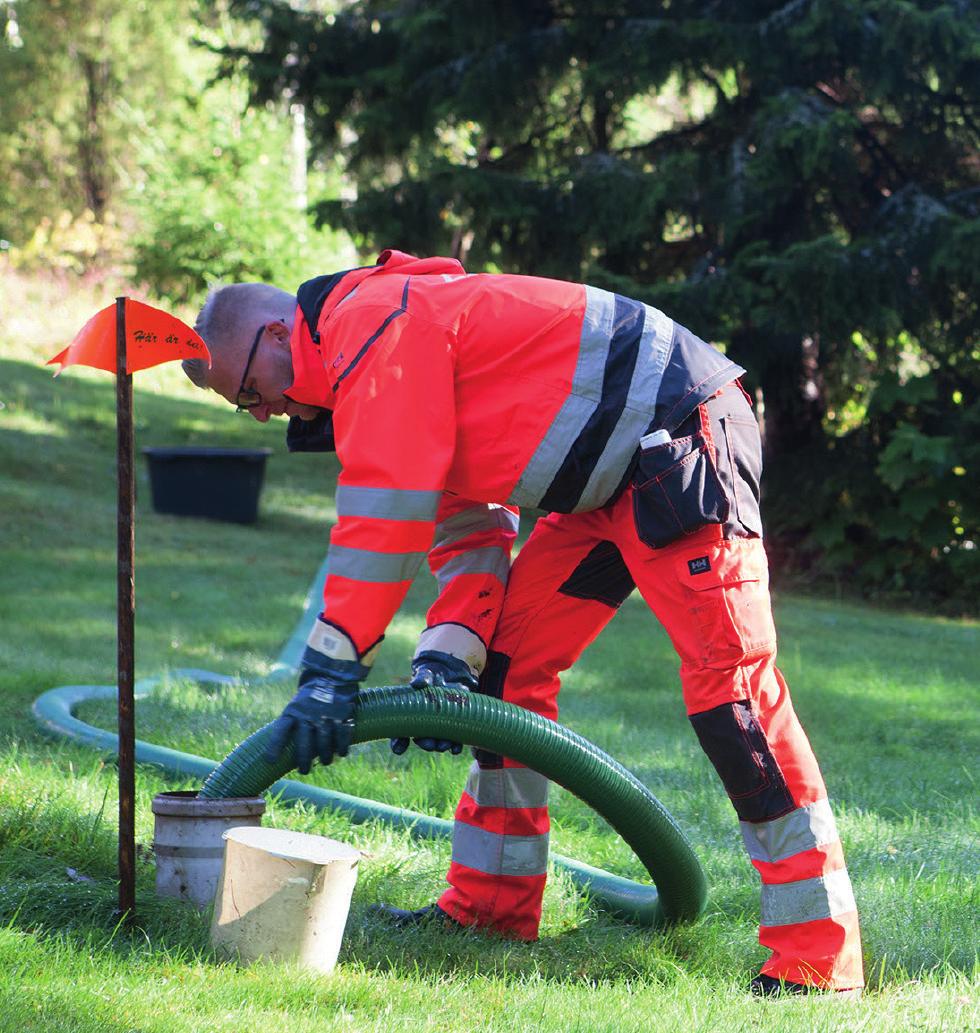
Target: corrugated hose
<point x="679" y="892"/>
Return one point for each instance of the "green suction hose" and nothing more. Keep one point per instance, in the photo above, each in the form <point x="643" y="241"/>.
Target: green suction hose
<point x="547" y="747"/>
<point x="555" y="751"/>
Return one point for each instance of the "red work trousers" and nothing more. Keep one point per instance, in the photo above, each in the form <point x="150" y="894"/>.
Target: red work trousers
<point x="711" y="595"/>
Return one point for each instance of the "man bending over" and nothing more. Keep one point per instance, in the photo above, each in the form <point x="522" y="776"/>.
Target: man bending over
<point x="454" y="399"/>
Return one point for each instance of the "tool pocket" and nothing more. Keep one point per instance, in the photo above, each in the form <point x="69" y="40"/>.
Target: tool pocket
<point x="676" y="490"/>
<point x="744" y="448"/>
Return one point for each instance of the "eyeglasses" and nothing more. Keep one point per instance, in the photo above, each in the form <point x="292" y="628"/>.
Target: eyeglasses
<point x="247" y="398"/>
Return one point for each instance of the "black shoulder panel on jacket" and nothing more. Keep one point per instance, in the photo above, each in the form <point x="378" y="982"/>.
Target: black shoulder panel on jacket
<point x="695" y="371"/>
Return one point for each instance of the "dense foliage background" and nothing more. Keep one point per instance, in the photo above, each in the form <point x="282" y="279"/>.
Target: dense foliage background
<point x="797" y="181"/>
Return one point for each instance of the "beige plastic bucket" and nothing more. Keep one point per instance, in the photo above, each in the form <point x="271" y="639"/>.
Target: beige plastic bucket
<point x="284" y="896"/>
<point x="187" y="841"/>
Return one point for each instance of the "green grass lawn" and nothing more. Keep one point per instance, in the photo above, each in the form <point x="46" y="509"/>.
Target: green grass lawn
<point x="889" y="701"/>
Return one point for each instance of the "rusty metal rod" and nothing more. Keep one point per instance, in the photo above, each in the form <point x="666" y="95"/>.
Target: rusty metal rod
<point x="125" y="612"/>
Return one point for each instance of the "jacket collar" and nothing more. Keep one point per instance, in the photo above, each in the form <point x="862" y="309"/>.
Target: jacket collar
<point x="310" y="385"/>
<point x="317" y="298"/>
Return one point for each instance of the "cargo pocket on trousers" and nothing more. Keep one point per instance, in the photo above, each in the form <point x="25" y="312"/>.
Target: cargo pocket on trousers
<point x="730" y="606"/>
<point x="676" y="490"/>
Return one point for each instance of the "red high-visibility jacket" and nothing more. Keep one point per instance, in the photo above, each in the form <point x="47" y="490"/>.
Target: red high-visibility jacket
<point x="454" y="395"/>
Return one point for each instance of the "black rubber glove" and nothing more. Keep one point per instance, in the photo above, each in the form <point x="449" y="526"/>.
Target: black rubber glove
<point x="435" y="669"/>
<point x="319" y="719"/>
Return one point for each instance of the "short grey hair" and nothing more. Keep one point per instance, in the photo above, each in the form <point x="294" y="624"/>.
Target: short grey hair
<point x="231" y="313"/>
<point x="197" y="371"/>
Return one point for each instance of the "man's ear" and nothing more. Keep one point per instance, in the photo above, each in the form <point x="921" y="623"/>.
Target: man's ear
<point x="279" y="331"/>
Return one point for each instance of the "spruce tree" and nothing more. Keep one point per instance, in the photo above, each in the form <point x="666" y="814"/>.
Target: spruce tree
<point x="797" y="181"/>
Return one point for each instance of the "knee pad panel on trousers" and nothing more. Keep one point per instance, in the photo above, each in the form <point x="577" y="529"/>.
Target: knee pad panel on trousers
<point x="492" y="684"/>
<point x="601" y="576"/>
<point x="736" y="745"/>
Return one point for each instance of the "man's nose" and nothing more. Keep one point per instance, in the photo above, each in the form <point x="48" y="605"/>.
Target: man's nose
<point x="261" y="412"/>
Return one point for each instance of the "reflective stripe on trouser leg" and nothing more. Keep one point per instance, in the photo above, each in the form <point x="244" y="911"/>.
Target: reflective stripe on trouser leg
<point x="712" y="597"/>
<point x="500" y="837"/>
<point x="500" y="842"/>
<point x="500" y="851"/>
<point x="808" y="915"/>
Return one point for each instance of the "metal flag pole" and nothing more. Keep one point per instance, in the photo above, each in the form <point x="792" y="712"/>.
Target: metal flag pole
<point x="155" y="337"/>
<point x="125" y="612"/>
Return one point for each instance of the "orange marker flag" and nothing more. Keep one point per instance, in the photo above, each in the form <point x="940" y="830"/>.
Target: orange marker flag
<point x="122" y="339"/>
<point x="152" y="336"/>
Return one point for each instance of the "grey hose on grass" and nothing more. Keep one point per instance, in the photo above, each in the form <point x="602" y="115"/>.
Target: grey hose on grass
<point x="679" y="893"/>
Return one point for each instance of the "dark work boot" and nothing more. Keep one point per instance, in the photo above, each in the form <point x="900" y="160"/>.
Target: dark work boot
<point x="768" y="986"/>
<point x="401" y="918"/>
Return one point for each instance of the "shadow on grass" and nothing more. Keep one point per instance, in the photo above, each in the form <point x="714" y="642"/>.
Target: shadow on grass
<point x="597" y="950"/>
<point x="57" y="900"/>
<point x="56" y="880"/>
<point x="43" y="893"/>
<point x="83" y="917"/>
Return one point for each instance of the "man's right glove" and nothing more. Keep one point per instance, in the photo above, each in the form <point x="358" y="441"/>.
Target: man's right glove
<point x="435" y="669"/>
<point x="319" y="719"/>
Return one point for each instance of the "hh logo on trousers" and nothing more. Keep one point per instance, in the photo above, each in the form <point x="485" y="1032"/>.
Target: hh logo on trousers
<point x="701" y="565"/>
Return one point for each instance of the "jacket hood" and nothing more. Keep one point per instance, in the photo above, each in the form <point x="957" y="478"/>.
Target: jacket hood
<point x="318" y="297"/>
<point x="338" y="286"/>
<point x="392" y="261"/>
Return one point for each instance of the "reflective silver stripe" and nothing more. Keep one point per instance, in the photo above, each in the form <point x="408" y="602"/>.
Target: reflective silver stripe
<point x="802" y="829"/>
<point x="507" y="787"/>
<point x="387" y="503"/>
<point x="367" y="565"/>
<point x="789" y="903"/>
<point x="495" y="854"/>
<point x="456" y="640"/>
<point x="489" y="560"/>
<point x="473" y="520"/>
<point x="330" y="641"/>
<point x="581" y="403"/>
<point x="641" y="402"/>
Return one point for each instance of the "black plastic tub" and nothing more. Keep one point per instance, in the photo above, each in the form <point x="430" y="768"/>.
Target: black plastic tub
<point x="216" y="483"/>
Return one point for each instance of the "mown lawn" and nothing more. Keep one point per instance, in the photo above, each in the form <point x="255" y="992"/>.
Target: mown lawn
<point x="889" y="700"/>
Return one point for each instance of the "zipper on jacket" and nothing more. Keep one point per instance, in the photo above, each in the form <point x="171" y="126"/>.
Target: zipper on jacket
<point x="377" y="333"/>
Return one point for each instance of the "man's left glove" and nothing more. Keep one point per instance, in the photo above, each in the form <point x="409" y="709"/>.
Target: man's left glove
<point x="319" y="719"/>
<point x="434" y="668"/>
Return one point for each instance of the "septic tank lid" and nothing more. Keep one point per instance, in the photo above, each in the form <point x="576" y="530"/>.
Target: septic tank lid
<point x="293" y="846"/>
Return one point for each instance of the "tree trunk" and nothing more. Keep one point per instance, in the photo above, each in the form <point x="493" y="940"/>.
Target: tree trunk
<point x="92" y="153"/>
<point x="792" y="385"/>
